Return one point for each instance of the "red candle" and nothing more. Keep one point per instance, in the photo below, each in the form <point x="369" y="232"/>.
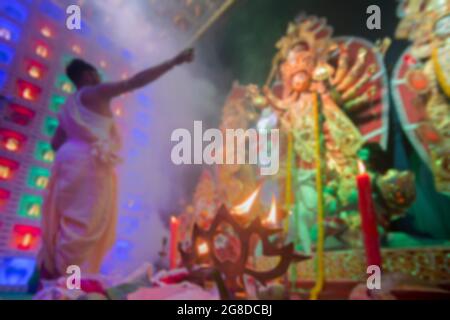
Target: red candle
<point x="174" y="229"/>
<point x="368" y="218"/>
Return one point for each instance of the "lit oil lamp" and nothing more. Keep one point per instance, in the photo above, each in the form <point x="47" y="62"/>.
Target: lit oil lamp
<point x="272" y="219"/>
<point x="203" y="249"/>
<point x="245" y="207"/>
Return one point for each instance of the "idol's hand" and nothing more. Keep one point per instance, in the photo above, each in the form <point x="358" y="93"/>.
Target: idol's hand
<point x="186" y="56"/>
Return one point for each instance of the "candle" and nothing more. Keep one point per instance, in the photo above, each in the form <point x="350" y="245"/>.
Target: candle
<point x="173" y="254"/>
<point x="368" y="218"/>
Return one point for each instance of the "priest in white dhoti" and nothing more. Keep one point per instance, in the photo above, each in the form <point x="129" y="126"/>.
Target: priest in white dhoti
<point x="80" y="210"/>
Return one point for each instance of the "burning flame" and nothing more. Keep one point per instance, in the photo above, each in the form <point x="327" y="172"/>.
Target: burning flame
<point x="245" y="207"/>
<point x="361" y="167"/>
<point x="272" y="218"/>
<point x="203" y="249"/>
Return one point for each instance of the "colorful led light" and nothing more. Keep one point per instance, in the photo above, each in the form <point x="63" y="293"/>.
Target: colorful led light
<point x="28" y="91"/>
<point x="42" y="50"/>
<point x="46" y="32"/>
<point x="76" y="49"/>
<point x="50" y="126"/>
<point x="44" y="152"/>
<point x="56" y="102"/>
<point x="11" y="140"/>
<point x="5" y="34"/>
<point x="9" y="31"/>
<point x="38" y="178"/>
<point x="19" y="115"/>
<point x="6" y="54"/>
<point x="14" y="10"/>
<point x="35" y="70"/>
<point x="7" y="168"/>
<point x="49" y="156"/>
<point x="16" y="271"/>
<point x="25" y="238"/>
<point x="5" y="172"/>
<point x="12" y="144"/>
<point x="4" y="196"/>
<point x="30" y="206"/>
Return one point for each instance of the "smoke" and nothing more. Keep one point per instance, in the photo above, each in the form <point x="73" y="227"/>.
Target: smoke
<point x="151" y="187"/>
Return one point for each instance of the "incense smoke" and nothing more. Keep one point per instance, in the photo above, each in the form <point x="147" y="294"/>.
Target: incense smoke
<point x="150" y="185"/>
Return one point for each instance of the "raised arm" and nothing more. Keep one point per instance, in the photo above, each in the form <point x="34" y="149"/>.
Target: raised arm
<point x="107" y="91"/>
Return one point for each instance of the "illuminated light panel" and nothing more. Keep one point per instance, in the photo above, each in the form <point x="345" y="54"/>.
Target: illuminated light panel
<point x="5" y="34"/>
<point x="19" y="115"/>
<point x="11" y="140"/>
<point x="3" y="77"/>
<point x="44" y="152"/>
<point x="35" y="70"/>
<point x="16" y="271"/>
<point x="14" y="10"/>
<point x="38" y="178"/>
<point x="76" y="49"/>
<point x="42" y="50"/>
<point x="4" y="196"/>
<point x="9" y="32"/>
<point x="28" y="91"/>
<point x="6" y="54"/>
<point x="30" y="206"/>
<point x="52" y="10"/>
<point x="56" y="103"/>
<point x="25" y="238"/>
<point x="50" y="125"/>
<point x="47" y="32"/>
<point x="63" y="83"/>
<point x="7" y="168"/>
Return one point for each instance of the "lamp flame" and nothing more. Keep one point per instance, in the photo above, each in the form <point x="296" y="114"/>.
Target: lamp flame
<point x="245" y="207"/>
<point x="203" y="249"/>
<point x="272" y="218"/>
<point x="361" y="167"/>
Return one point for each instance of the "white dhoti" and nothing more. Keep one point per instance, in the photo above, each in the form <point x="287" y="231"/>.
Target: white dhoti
<point x="80" y="209"/>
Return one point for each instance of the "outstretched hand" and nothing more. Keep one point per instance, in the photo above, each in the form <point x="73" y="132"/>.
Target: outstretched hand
<point x="185" y="56"/>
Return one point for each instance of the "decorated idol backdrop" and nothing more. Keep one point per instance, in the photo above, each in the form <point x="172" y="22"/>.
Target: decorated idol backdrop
<point x="362" y="115"/>
<point x="348" y="119"/>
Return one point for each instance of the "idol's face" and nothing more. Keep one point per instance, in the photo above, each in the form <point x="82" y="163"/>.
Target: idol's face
<point x="301" y="80"/>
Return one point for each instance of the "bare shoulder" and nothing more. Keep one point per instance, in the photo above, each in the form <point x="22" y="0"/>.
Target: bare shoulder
<point x="92" y="99"/>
